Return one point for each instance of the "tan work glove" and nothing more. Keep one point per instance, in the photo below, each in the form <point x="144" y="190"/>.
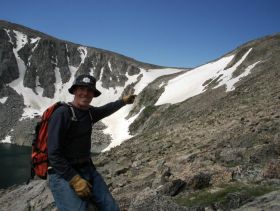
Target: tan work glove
<point x="81" y="186"/>
<point x="129" y="99"/>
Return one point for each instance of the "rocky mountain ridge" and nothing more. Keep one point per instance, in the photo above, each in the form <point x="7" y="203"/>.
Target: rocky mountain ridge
<point x="217" y="150"/>
<point x="40" y="66"/>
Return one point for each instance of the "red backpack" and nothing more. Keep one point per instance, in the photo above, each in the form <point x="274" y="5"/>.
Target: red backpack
<point x="39" y="156"/>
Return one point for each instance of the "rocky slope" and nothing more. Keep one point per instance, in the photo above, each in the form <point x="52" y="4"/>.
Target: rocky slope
<point x="218" y="150"/>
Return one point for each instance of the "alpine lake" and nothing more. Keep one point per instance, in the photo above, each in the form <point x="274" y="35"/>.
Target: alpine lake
<point x="14" y="164"/>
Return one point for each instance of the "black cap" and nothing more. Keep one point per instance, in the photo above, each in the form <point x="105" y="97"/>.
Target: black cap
<point x="85" y="80"/>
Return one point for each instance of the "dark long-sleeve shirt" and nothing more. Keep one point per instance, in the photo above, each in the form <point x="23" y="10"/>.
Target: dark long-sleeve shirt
<point x="70" y="140"/>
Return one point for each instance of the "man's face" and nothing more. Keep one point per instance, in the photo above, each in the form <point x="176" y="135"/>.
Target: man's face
<point x="83" y="97"/>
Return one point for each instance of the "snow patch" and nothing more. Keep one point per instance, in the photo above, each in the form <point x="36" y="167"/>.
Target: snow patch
<point x="227" y="79"/>
<point x="3" y="100"/>
<point x="162" y="84"/>
<point x="118" y="126"/>
<point x="110" y="67"/>
<point x="21" y="39"/>
<point x="230" y="83"/>
<point x="34" y="40"/>
<point x="152" y="74"/>
<point x="39" y="90"/>
<point x="191" y="83"/>
<point x="67" y="53"/>
<point x="10" y="39"/>
<point x="7" y="139"/>
<point x="83" y="53"/>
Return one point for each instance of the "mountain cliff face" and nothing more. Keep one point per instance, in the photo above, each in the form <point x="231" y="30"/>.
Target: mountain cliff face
<point x="202" y="139"/>
<point x="36" y="70"/>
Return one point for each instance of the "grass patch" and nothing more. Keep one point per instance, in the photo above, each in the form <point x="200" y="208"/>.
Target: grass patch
<point x="208" y="196"/>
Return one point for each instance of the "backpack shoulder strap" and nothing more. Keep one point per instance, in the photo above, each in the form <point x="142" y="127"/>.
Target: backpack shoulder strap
<point x="70" y="106"/>
<point x="91" y="113"/>
<point x="73" y="116"/>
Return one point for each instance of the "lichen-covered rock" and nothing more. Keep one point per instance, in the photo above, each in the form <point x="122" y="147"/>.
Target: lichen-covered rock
<point x="150" y="200"/>
<point x="270" y="201"/>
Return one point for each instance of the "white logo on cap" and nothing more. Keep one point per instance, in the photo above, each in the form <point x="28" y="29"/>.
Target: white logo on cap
<point x="86" y="80"/>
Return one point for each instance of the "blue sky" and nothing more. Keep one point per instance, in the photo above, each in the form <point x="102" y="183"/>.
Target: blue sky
<point x="177" y="33"/>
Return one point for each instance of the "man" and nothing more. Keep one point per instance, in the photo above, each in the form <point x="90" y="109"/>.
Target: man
<point x="73" y="178"/>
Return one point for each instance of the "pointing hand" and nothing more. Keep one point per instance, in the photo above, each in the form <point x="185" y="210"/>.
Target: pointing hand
<point x="129" y="99"/>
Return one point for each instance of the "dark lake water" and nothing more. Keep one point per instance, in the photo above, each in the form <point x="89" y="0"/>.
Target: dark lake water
<point x="14" y="164"/>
